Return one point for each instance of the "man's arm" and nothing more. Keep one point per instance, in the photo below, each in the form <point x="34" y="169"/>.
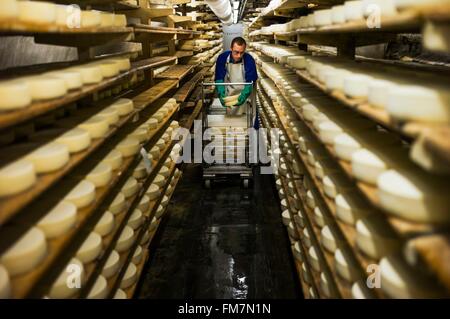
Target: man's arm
<point x="220" y="77"/>
<point x="251" y="75"/>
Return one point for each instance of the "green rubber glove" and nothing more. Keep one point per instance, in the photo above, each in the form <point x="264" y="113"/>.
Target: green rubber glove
<point x="245" y="93"/>
<point x="221" y="92"/>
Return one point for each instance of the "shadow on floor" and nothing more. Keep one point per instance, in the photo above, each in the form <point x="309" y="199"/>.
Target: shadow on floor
<point x="226" y="242"/>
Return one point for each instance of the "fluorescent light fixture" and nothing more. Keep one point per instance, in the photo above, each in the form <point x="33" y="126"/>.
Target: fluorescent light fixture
<point x="236" y="5"/>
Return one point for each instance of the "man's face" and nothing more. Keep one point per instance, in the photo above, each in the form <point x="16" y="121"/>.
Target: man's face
<point x="237" y="51"/>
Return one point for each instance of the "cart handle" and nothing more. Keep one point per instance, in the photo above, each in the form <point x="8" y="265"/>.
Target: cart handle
<point x="226" y="84"/>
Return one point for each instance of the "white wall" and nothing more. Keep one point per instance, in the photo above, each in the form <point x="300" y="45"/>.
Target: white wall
<point x="230" y="32"/>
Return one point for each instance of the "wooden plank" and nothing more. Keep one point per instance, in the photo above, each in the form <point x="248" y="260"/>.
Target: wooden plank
<point x="182" y="93"/>
<point x="177" y="71"/>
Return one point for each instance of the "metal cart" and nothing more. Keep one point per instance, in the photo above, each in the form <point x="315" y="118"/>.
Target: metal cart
<point x="234" y="131"/>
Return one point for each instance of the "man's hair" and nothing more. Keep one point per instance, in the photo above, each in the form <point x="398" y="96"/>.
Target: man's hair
<point x="239" y="41"/>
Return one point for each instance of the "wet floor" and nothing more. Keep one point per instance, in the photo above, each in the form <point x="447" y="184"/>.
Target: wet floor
<point x="226" y="242"/>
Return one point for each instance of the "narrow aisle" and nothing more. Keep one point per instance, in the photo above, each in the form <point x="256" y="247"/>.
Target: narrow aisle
<point x="226" y="242"/>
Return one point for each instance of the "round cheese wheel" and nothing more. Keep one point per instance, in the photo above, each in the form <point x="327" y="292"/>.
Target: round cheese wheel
<point x="5" y="283"/>
<point x="100" y="175"/>
<point x="346" y="266"/>
<point x="76" y="140"/>
<point x="153" y="225"/>
<point x="59" y="220"/>
<point x="130" y="276"/>
<point x="110" y="115"/>
<point x="357" y="86"/>
<point x="328" y="240"/>
<point x="159" y="211"/>
<point x="130" y="188"/>
<point x="96" y="126"/>
<point x="314" y="259"/>
<point x="152" y="123"/>
<point x="140" y="134"/>
<point x="90" y="74"/>
<point x="361" y="291"/>
<point x="9" y="9"/>
<point x="49" y="158"/>
<point x="137" y="256"/>
<point x="159" y="180"/>
<point x="338" y="14"/>
<point x="123" y="106"/>
<point x="298" y="252"/>
<point x="155" y="152"/>
<point x="286" y="217"/>
<point x="345" y="146"/>
<point x="36" y="12"/>
<point x="158" y="116"/>
<point x="407" y="103"/>
<point x="15" y="94"/>
<point x="310" y="200"/>
<point x="65" y="285"/>
<point x="125" y="240"/>
<point x="375" y="238"/>
<point x="123" y="63"/>
<point x="164" y="171"/>
<point x="298" y="62"/>
<point x="144" y="204"/>
<point x="153" y="192"/>
<point x="26" y="253"/>
<point x="120" y="294"/>
<point x="72" y="79"/>
<point x="306" y="238"/>
<point x="107" y="20"/>
<point x="108" y="68"/>
<point x="90" y="249"/>
<point x="334" y="79"/>
<point x="90" y="19"/>
<point x="174" y="124"/>
<point x="128" y="147"/>
<point x="305" y="274"/>
<point x="164" y="201"/>
<point x="414" y="195"/>
<point x="353" y="10"/>
<point x="44" y="87"/>
<point x="120" y="20"/>
<point x="114" y="159"/>
<point x="169" y="190"/>
<point x="350" y="207"/>
<point x="334" y="184"/>
<point x="82" y="195"/>
<point x="328" y="131"/>
<point x="118" y="204"/>
<point x="284" y="205"/>
<point x="318" y="217"/>
<point x="112" y="265"/>
<point x="99" y="290"/>
<point x="105" y="225"/>
<point x="17" y="177"/>
<point x="377" y="95"/>
<point x="136" y="219"/>
<point x="308" y="111"/>
<point x="324" y="167"/>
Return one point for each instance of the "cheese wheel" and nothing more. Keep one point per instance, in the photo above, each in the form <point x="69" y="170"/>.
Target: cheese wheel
<point x="350" y="207"/>
<point x="324" y="167"/>
<point x="120" y="294"/>
<point x="90" y="19"/>
<point x="327" y="239"/>
<point x="100" y="175"/>
<point x="159" y="180"/>
<point x="118" y="204"/>
<point x="284" y="204"/>
<point x="110" y="115"/>
<point x="353" y="10"/>
<point x="76" y="140"/>
<point x="298" y="62"/>
<point x="107" y="19"/>
<point x="82" y="195"/>
<point x="414" y="195"/>
<point x="136" y="219"/>
<point x="297" y="252"/>
<point x="112" y="265"/>
<point x="305" y="274"/>
<point x="346" y="266"/>
<point x="169" y="190"/>
<point x="327" y="287"/>
<point x="174" y="124"/>
<point x="314" y="259"/>
<point x="9" y="9"/>
<point x="153" y="226"/>
<point x="152" y="123"/>
<point x="99" y="290"/>
<point x="26" y="253"/>
<point x="125" y="240"/>
<point x="308" y="111"/>
<point x="120" y="20"/>
<point x="17" y="177"/>
<point x="140" y="134"/>
<point x="90" y="249"/>
<point x="123" y="63"/>
<point x="66" y="285"/>
<point x="140" y="171"/>
<point x="108" y="68"/>
<point x="159" y="211"/>
<point x="345" y="146"/>
<point x="375" y="238"/>
<point x="334" y="184"/>
<point x="398" y="280"/>
<point x="318" y="217"/>
<point x="361" y="291"/>
<point x="407" y="103"/>
<point x="310" y="200"/>
<point x="306" y="238"/>
<point x="44" y="87"/>
<point x="96" y="126"/>
<point x="105" y="225"/>
<point x="322" y="17"/>
<point x="377" y="95"/>
<point x="36" y="12"/>
<point x="49" y="158"/>
<point x="123" y="106"/>
<point x="153" y="192"/>
<point x="128" y="147"/>
<point x="166" y="138"/>
<point x="113" y="159"/>
<point x="137" y="256"/>
<point x="338" y="14"/>
<point x="90" y="74"/>
<point x="130" y="276"/>
<point x="59" y="220"/>
<point x="72" y="79"/>
<point x="286" y="217"/>
<point x="130" y="188"/>
<point x="334" y="79"/>
<point x="5" y="283"/>
<point x="328" y="131"/>
<point x="15" y="94"/>
<point x="164" y="201"/>
<point x="158" y="116"/>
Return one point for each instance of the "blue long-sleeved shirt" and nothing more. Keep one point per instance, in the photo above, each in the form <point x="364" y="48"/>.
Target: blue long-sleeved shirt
<point x="249" y="65"/>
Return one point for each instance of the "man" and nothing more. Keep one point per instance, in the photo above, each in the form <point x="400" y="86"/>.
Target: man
<point x="235" y="66"/>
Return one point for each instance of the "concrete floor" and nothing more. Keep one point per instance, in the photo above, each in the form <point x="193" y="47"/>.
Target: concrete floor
<point x="226" y="242"/>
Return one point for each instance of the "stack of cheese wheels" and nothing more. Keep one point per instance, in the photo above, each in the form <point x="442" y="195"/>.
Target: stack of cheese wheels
<point x="26" y="253"/>
<point x="17" y="177"/>
<point x="60" y="289"/>
<point x="59" y="220"/>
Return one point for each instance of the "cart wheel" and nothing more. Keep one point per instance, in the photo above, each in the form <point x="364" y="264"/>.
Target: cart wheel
<point x="207" y="183"/>
<point x="246" y="183"/>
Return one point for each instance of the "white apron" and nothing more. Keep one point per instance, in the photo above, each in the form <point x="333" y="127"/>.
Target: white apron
<point x="235" y="74"/>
